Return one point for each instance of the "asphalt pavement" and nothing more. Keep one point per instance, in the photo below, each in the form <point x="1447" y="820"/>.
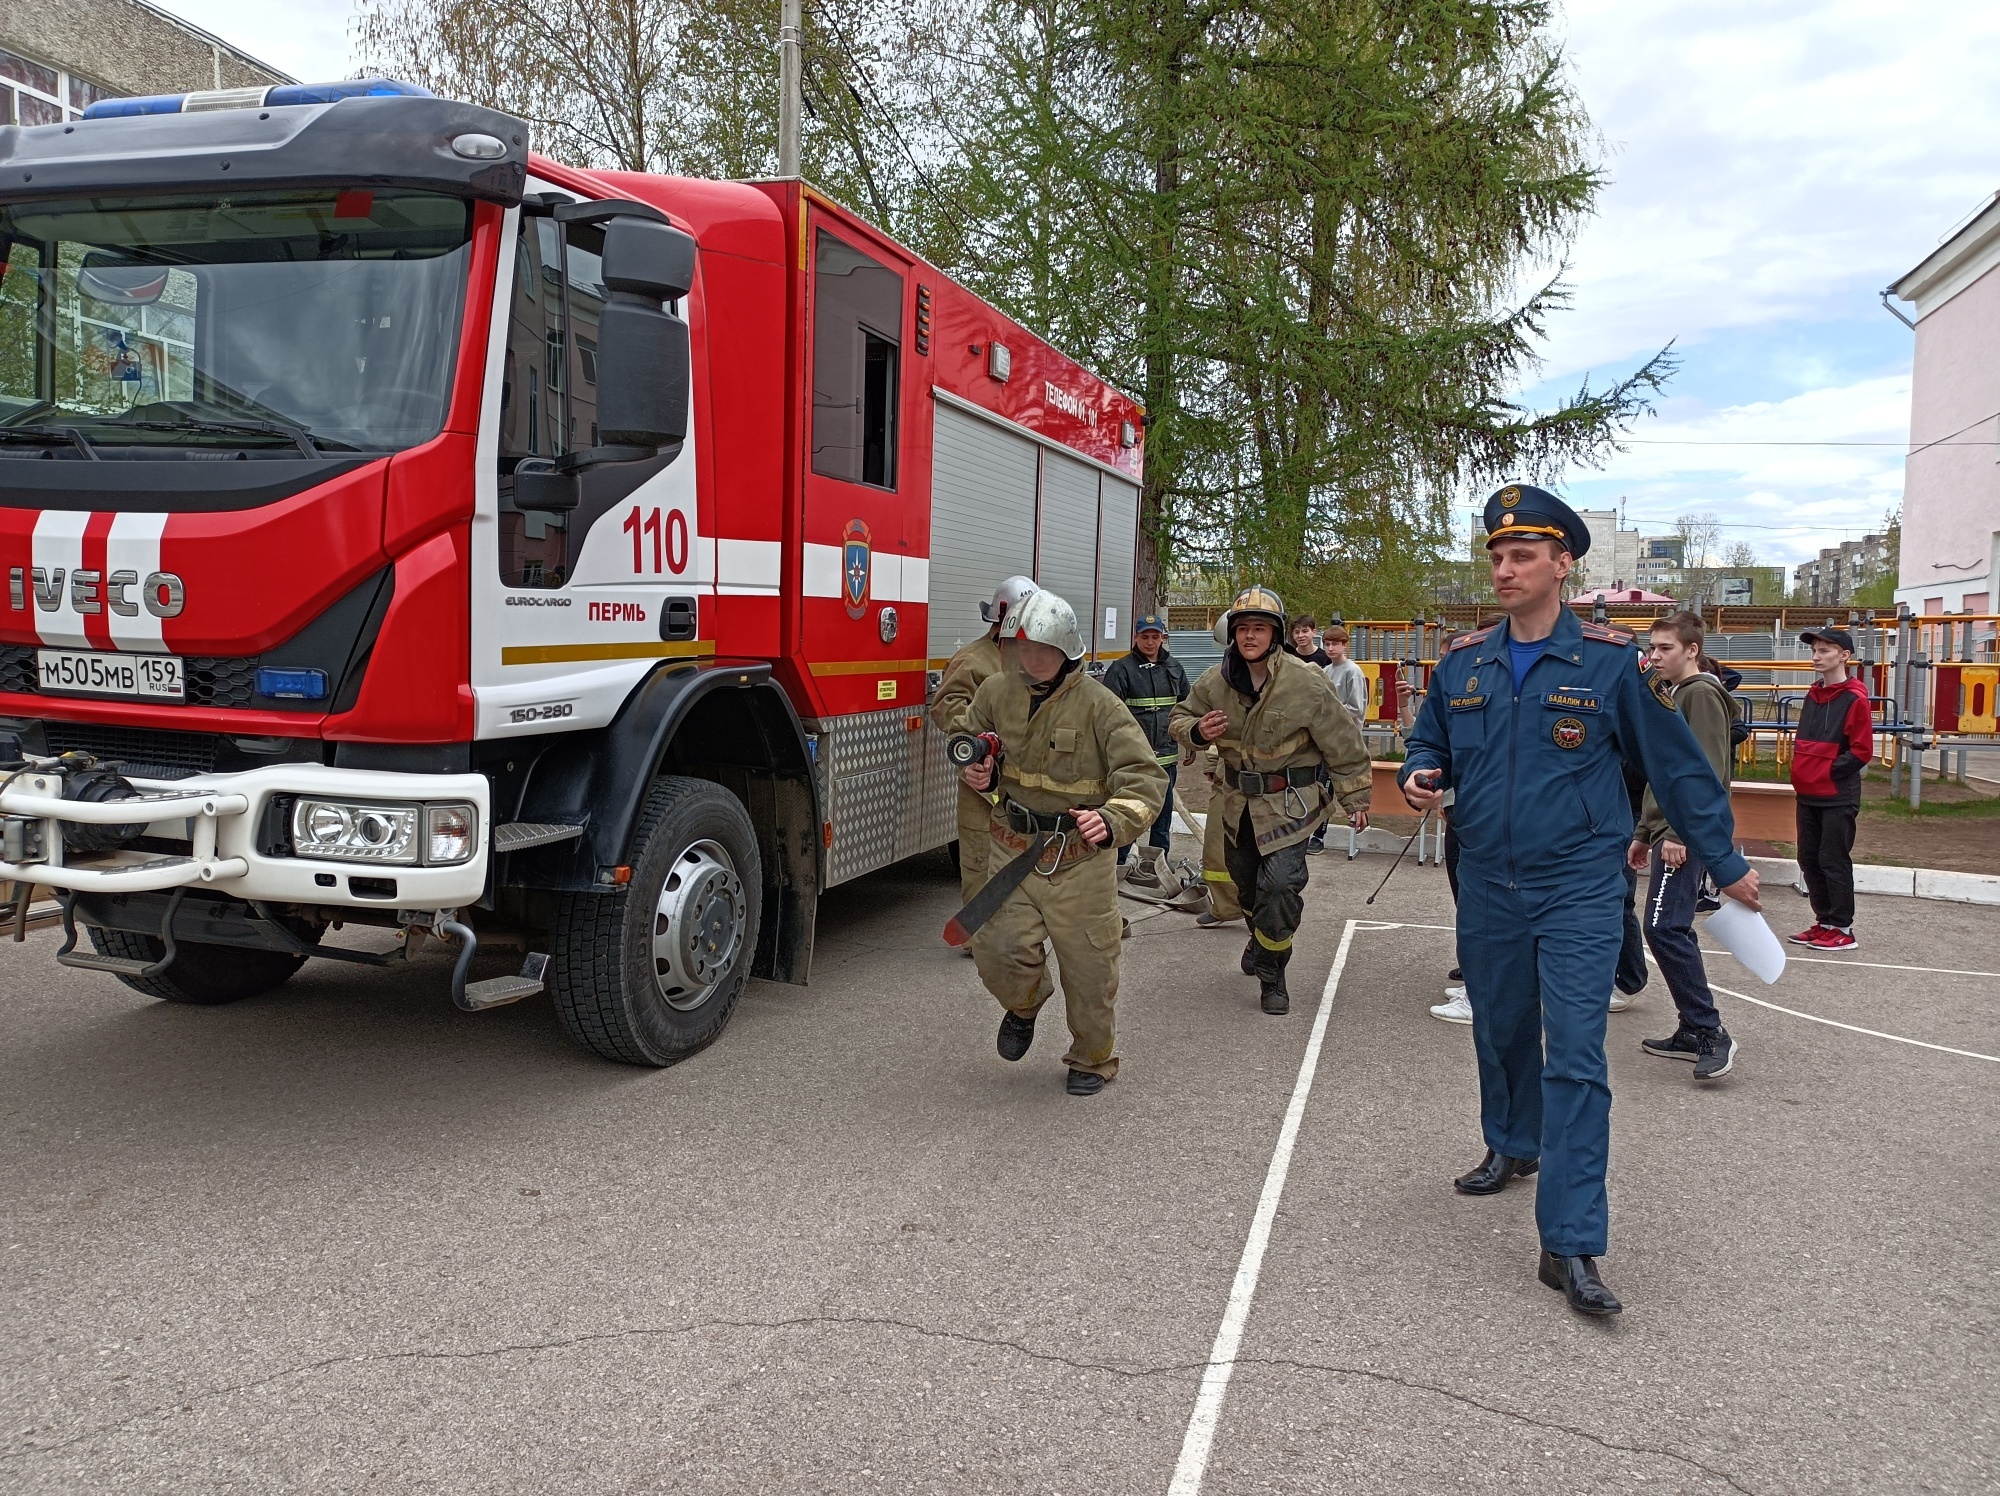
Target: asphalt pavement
<point x="346" y="1238"/>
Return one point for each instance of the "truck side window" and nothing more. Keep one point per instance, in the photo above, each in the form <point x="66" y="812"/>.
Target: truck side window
<point x="548" y="392"/>
<point x="857" y="346"/>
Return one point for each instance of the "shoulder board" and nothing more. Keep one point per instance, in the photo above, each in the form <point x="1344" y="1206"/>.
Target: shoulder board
<point x="1605" y="634"/>
<point x="1466" y="641"/>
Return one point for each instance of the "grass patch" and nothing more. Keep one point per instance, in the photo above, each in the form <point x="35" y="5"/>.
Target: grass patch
<point x="1937" y="810"/>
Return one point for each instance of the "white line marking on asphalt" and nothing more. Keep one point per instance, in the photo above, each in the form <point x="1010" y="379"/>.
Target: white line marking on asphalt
<point x="1940" y="971"/>
<point x="1222" y="1355"/>
<point x="1856" y="1028"/>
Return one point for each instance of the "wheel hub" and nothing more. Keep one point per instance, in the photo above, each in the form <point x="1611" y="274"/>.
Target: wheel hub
<point x="697" y="925"/>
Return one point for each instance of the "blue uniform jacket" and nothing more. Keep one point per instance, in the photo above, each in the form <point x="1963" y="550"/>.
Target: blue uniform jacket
<point x="1537" y="775"/>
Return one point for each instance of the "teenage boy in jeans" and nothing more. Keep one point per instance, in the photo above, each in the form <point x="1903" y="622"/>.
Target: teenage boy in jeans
<point x="1834" y="741"/>
<point x="1676" y="871"/>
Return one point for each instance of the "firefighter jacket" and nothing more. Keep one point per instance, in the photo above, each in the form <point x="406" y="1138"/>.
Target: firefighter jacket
<point x="962" y="676"/>
<point x="1075" y="748"/>
<point x="1294" y="725"/>
<point x="1149" y="689"/>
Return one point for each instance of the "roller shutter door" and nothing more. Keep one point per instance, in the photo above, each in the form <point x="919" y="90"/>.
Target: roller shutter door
<point x="982" y="522"/>
<point x="1118" y="551"/>
<point x="1068" y="559"/>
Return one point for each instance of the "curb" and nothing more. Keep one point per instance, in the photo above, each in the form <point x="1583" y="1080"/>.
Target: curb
<point x="1897" y="882"/>
<point x="1869" y="877"/>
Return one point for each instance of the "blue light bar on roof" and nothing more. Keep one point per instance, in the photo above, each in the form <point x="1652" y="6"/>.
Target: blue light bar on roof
<point x="277" y="97"/>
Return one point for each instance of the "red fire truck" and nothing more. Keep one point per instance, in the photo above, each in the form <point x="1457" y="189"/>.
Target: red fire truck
<point x="403" y="529"/>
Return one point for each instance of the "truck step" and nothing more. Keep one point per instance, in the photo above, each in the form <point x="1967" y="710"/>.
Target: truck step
<point x="497" y="992"/>
<point x="518" y="836"/>
<point x="120" y="966"/>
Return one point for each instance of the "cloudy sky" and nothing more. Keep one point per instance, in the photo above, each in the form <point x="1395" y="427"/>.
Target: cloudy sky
<point x="1773" y="165"/>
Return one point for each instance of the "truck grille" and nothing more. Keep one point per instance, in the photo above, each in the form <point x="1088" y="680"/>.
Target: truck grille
<point x="212" y="680"/>
<point x="145" y="752"/>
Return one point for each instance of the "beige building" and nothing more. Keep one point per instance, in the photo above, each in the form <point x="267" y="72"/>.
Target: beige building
<point x="1951" y="484"/>
<point x="57" y="57"/>
<point x="1841" y="570"/>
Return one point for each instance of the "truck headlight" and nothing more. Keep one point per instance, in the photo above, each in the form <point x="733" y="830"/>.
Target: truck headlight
<point x="346" y="832"/>
<point x="450" y="834"/>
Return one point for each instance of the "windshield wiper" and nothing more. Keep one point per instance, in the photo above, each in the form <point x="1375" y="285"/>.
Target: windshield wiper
<point x="46" y="434"/>
<point x="299" y="436"/>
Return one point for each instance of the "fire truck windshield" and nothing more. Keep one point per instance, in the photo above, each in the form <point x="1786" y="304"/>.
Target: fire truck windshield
<point x="266" y="325"/>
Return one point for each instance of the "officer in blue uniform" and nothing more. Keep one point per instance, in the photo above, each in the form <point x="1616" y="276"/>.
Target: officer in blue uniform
<point x="1529" y="721"/>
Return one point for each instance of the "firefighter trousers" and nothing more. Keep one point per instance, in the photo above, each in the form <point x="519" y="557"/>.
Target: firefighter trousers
<point x="1274" y="884"/>
<point x="975" y="831"/>
<point x="1075" y="912"/>
<point x="1222" y="900"/>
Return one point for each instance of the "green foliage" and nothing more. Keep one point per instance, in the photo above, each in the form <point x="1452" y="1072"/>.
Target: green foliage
<point x="1311" y="236"/>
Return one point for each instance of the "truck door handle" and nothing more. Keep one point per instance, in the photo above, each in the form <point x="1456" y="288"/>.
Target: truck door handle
<point x="679" y="619"/>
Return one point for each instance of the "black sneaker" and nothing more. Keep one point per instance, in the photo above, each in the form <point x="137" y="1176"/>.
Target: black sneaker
<point x="1718" y="1055"/>
<point x="1315" y="845"/>
<point x="1086" y="1083"/>
<point x="1684" y="1045"/>
<point x="1706" y="899"/>
<point x="1016" y="1034"/>
<point x="1454" y="975"/>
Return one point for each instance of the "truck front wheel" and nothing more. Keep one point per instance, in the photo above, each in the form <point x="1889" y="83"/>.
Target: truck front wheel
<point x="649" y="973"/>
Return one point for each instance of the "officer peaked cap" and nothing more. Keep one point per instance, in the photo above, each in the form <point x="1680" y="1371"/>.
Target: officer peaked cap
<point x="1523" y="509"/>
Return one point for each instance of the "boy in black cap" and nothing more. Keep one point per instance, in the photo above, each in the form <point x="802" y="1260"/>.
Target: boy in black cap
<point x="1834" y="741"/>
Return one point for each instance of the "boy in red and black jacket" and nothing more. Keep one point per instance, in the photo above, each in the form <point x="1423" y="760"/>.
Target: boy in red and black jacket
<point x="1835" y="740"/>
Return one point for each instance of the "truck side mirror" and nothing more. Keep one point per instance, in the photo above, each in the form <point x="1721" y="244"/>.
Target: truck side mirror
<point x="541" y="485"/>
<point x="643" y="358"/>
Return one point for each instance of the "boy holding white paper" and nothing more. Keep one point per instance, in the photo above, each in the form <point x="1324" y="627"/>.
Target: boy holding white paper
<point x="1705" y="706"/>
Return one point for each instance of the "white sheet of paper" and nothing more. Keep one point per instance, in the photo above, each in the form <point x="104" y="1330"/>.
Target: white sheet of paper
<point x="1743" y="933"/>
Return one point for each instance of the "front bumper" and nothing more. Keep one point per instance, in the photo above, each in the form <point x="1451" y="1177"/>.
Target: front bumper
<point x="218" y="816"/>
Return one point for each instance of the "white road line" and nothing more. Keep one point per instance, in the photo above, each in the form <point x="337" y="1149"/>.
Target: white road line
<point x="1939" y="971"/>
<point x="1222" y="1355"/>
<point x="1855" y="1028"/>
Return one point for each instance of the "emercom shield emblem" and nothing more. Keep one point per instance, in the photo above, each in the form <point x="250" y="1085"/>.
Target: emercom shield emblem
<point x="856" y="559"/>
<point x="1568" y="732"/>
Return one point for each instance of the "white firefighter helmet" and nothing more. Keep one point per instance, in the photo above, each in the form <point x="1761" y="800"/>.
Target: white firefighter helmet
<point x="1255" y="602"/>
<point x="1046" y="619"/>
<point x="1008" y="596"/>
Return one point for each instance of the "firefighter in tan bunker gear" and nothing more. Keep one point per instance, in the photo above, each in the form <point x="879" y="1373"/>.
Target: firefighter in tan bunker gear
<point x="1074" y="764"/>
<point x="963" y="675"/>
<point x="1289" y="750"/>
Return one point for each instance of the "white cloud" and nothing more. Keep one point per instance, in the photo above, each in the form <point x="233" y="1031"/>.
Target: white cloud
<point x="306" y="38"/>
<point x="1770" y="162"/>
<point x="1787" y="501"/>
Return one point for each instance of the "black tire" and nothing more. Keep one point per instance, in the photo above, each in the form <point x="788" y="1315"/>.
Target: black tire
<point x="205" y="976"/>
<point x="610" y="989"/>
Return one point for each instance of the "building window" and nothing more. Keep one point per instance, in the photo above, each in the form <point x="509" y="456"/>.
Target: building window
<point x="34" y="94"/>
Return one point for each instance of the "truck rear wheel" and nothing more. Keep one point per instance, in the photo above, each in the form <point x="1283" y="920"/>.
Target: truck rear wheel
<point x="649" y="973"/>
<point x="205" y="976"/>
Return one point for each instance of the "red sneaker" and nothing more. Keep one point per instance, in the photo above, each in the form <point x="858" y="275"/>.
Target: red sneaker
<point x="1809" y="936"/>
<point x="1831" y="939"/>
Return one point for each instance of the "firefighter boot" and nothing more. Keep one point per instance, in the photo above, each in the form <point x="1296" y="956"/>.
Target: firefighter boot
<point x="1274" y="999"/>
<point x="1249" y="961"/>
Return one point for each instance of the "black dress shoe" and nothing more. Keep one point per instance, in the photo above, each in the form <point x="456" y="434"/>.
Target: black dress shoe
<point x="1576" y="1279"/>
<point x="1086" y="1083"/>
<point x="1249" y="961"/>
<point x="1493" y="1173"/>
<point x="1016" y="1034"/>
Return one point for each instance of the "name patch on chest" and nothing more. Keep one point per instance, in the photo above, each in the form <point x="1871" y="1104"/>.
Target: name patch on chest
<point x="1572" y="699"/>
<point x="1468" y="703"/>
<point x="1568" y="732"/>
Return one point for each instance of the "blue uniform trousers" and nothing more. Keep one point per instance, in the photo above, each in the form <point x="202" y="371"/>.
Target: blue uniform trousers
<point x="1538" y="964"/>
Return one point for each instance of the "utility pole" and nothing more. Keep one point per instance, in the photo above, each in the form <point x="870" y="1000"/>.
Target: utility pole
<point x="791" y="86"/>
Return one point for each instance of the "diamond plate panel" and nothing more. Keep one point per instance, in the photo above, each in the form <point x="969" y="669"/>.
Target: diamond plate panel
<point x="887" y="788"/>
